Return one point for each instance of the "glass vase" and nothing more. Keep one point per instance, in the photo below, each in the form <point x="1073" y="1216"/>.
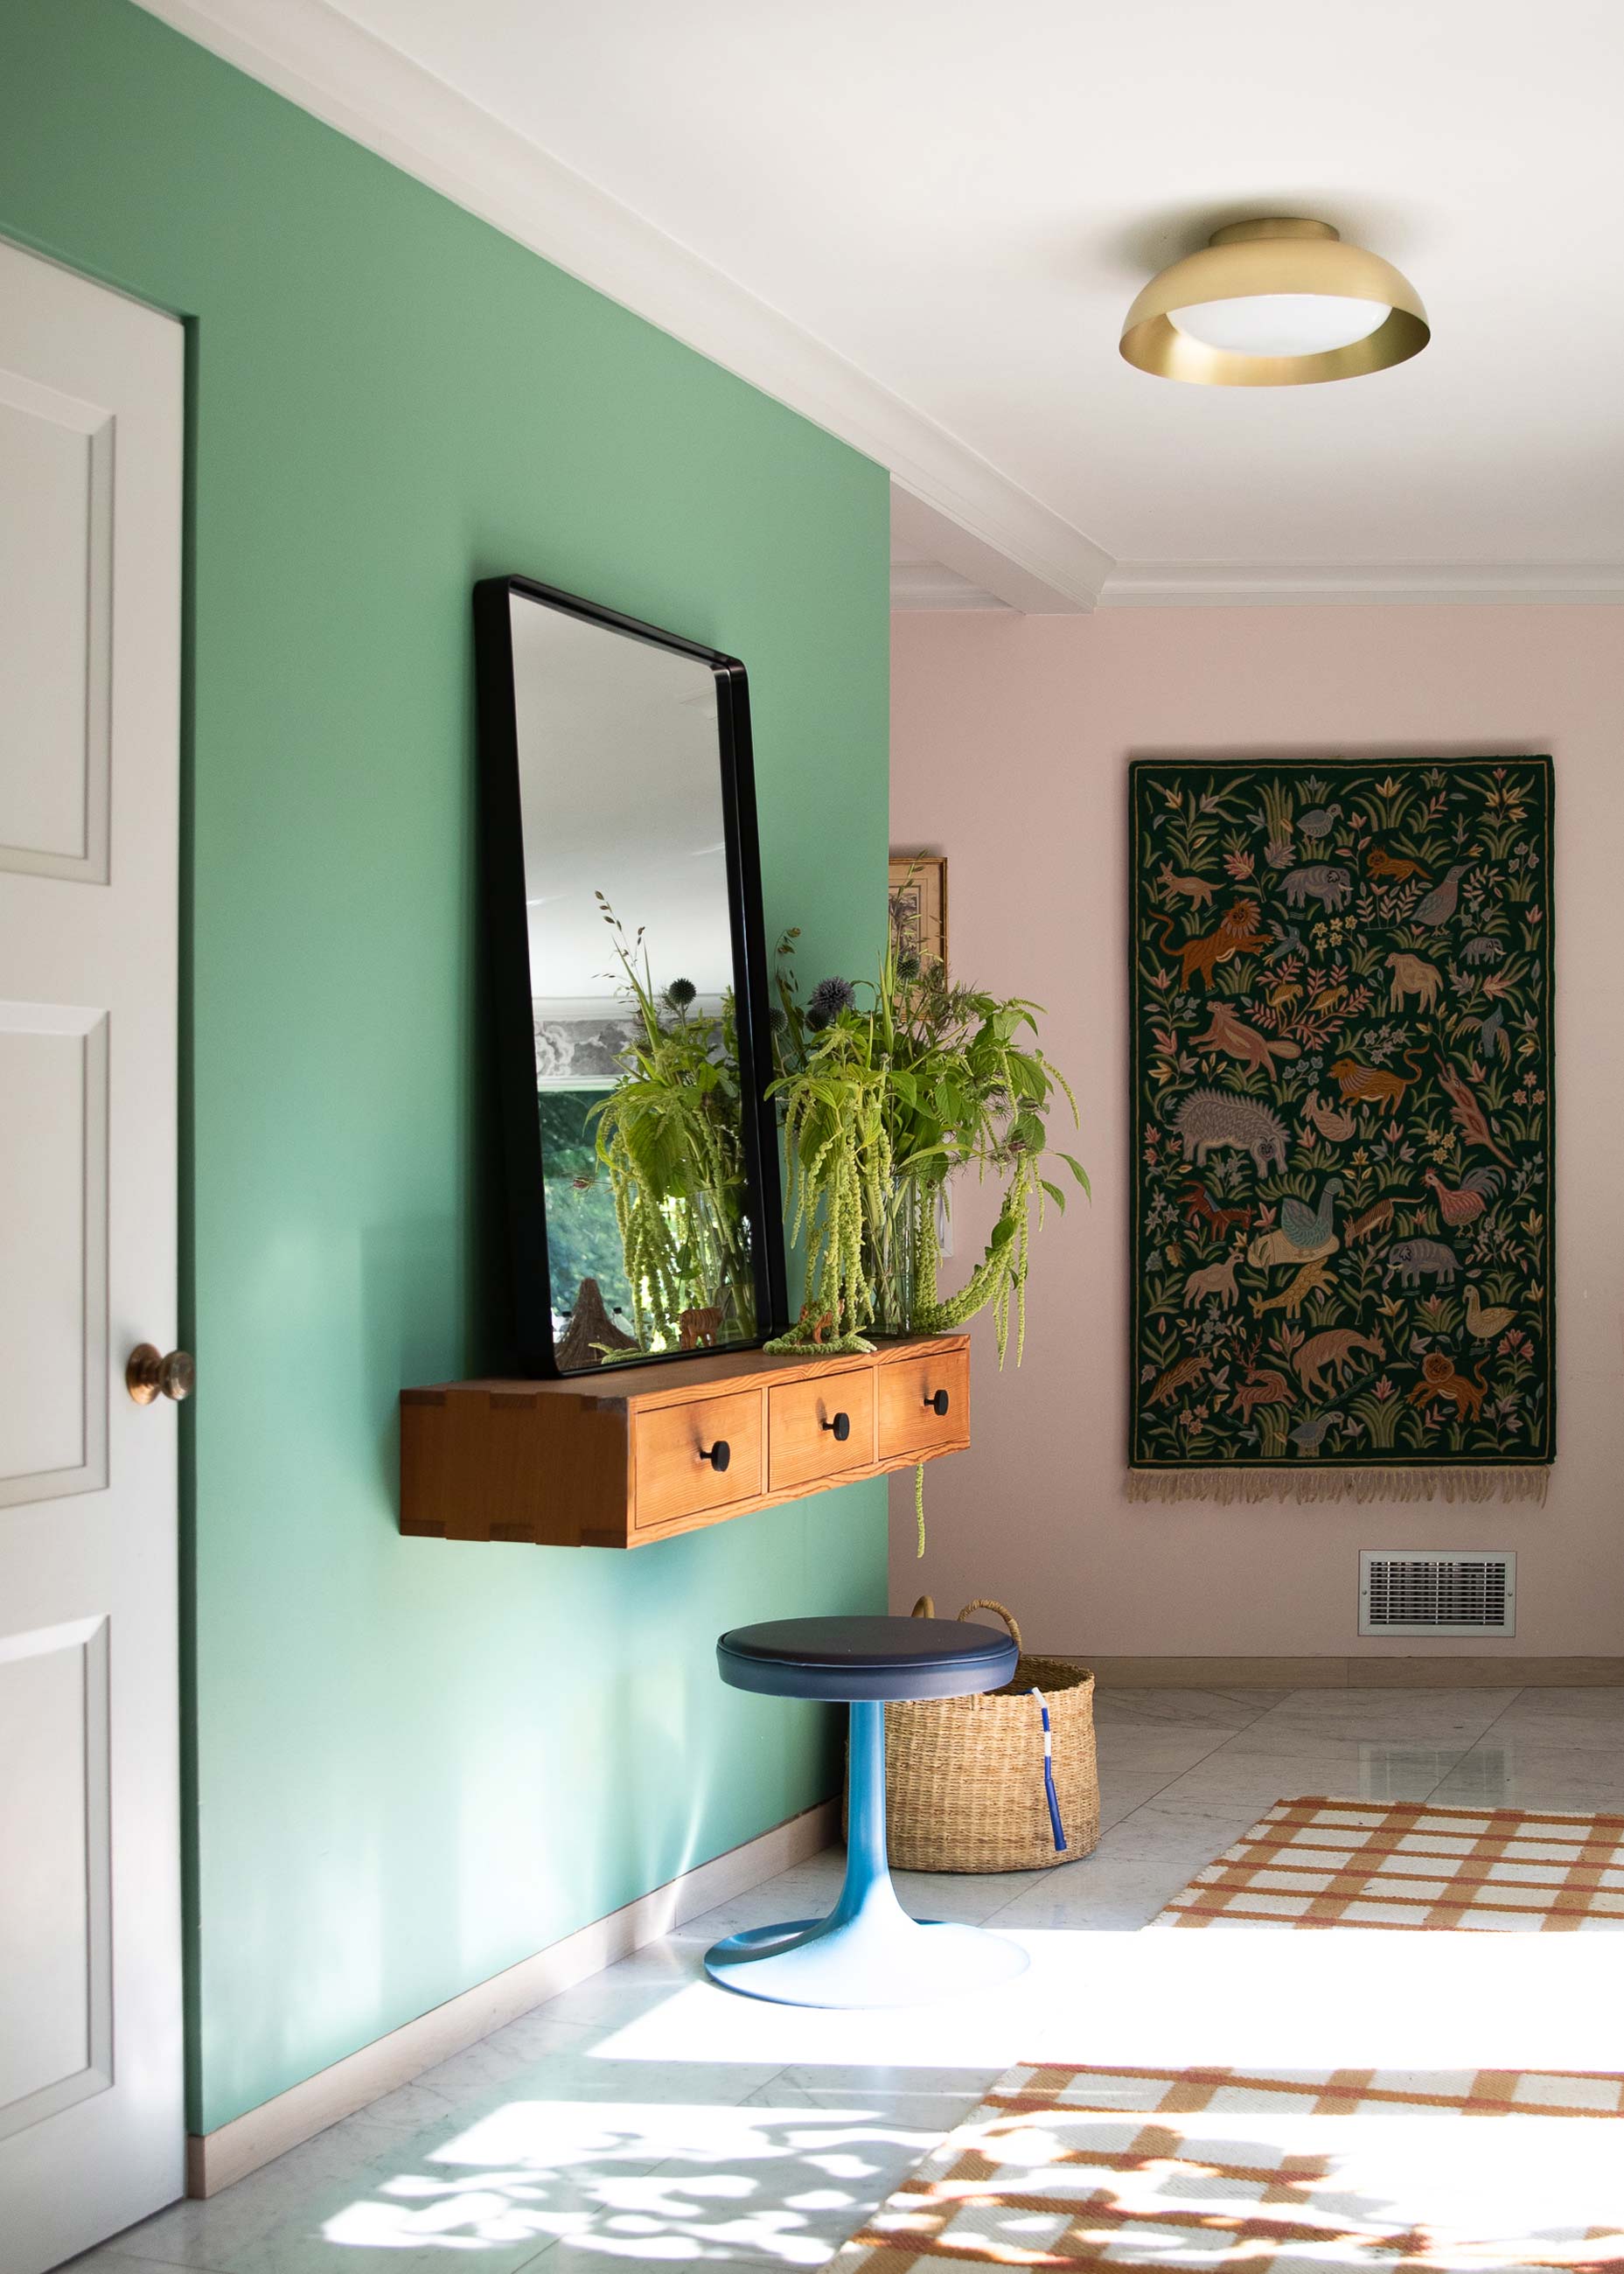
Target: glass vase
<point x="895" y="1259"/>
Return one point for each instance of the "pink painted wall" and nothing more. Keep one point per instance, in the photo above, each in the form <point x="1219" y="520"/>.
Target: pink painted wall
<point x="1010" y="742"/>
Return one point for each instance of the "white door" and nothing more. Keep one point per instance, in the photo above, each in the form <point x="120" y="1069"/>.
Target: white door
<point x="91" y="2123"/>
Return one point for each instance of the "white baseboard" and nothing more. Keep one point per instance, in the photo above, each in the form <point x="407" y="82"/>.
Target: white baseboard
<point x="215" y="2159"/>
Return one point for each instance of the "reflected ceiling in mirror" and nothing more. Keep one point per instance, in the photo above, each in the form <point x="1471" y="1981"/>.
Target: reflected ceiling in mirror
<point x="618" y="756"/>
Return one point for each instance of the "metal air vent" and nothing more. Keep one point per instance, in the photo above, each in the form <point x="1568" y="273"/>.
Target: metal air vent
<point x="1420" y="1593"/>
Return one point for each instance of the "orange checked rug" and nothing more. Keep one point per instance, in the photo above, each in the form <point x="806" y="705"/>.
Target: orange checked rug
<point x="1265" y="2169"/>
<point x="1349" y="1862"/>
<point x="1220" y="2172"/>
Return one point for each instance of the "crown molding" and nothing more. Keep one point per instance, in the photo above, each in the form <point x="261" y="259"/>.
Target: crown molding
<point x="379" y="97"/>
<point x="1202" y="585"/>
<point x="927" y="585"/>
<point x="925" y="536"/>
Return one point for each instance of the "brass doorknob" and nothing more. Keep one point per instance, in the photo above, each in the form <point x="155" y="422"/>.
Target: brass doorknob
<point x="150" y="1375"/>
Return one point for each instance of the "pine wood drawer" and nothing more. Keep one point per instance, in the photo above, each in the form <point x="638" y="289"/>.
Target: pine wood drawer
<point x="908" y="1392"/>
<point x="674" y="1480"/>
<point x="803" y="1418"/>
<point x="612" y="1459"/>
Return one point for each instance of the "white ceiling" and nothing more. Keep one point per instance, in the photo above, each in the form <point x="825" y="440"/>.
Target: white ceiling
<point x="922" y="220"/>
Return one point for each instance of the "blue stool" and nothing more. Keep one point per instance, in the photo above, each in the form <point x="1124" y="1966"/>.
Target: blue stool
<point x="867" y="1952"/>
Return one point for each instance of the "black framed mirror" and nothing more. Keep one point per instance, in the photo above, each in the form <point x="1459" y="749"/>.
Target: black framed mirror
<point x="622" y="884"/>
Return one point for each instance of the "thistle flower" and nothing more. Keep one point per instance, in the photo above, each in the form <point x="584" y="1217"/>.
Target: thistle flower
<point x="907" y="965"/>
<point x="681" y="993"/>
<point x="830" y="997"/>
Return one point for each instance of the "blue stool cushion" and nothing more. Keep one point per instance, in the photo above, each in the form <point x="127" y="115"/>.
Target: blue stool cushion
<point x="865" y="1657"/>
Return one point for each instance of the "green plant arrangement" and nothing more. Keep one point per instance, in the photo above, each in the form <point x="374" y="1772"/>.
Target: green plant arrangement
<point x="882" y="1099"/>
<point x="668" y="1136"/>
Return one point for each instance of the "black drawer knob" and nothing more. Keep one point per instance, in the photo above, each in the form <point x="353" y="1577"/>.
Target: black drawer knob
<point x="719" y="1455"/>
<point x="937" y="1401"/>
<point x="842" y="1426"/>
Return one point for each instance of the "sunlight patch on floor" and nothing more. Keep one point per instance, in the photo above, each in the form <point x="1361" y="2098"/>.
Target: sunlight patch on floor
<point x="1307" y="1997"/>
<point x="656" y="2180"/>
<point x="782" y="2183"/>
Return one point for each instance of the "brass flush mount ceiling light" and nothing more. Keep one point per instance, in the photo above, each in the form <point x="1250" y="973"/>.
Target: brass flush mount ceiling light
<point x="1275" y="303"/>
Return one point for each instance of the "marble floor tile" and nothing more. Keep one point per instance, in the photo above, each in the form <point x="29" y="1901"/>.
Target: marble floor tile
<point x="1447" y="1718"/>
<point x="110" y="2259"/>
<point x="1132" y="1872"/>
<point x="1513" y="1772"/>
<point x="1121" y="1796"/>
<point x="1340" y="1768"/>
<point x="1224" y="1710"/>
<point x="821" y="2083"/>
<point x="661" y="1970"/>
<point x="973" y="1896"/>
<point x="1605" y="1708"/>
<point x="1144" y="1748"/>
<point x="1562" y="1718"/>
<point x="482" y="2070"/>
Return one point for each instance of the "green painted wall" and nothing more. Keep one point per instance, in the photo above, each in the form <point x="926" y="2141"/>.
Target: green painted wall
<point x="415" y="1762"/>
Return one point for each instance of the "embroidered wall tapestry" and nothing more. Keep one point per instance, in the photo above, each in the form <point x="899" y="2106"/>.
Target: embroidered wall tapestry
<point x="1342" y="1092"/>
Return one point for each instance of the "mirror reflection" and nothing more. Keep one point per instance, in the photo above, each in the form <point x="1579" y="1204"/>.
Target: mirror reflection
<point x="631" y="976"/>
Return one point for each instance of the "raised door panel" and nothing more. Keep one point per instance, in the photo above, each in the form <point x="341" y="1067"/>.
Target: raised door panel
<point x="55" y="628"/>
<point x="53" y="1235"/>
<point x="55" y="2010"/>
<point x="675" y="1448"/>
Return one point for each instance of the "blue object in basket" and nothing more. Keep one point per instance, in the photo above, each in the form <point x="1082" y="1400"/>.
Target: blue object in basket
<point x="868" y="1951"/>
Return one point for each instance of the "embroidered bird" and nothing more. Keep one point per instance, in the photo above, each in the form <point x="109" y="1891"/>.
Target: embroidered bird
<point x="1439" y="904"/>
<point x="1485" y="1320"/>
<point x="1464" y="1202"/>
<point x="1493" y="1040"/>
<point x="1308" y="1436"/>
<point x="1334" y="1124"/>
<point x="1318" y="821"/>
<point x="1310" y="1227"/>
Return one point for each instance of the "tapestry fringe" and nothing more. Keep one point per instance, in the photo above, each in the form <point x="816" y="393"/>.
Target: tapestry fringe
<point x="1227" y="1486"/>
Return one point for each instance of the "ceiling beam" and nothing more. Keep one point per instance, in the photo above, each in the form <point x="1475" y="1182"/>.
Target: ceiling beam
<point x="919" y="528"/>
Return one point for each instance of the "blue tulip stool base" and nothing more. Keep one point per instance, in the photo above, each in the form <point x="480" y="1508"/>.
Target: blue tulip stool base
<point x="869" y="1952"/>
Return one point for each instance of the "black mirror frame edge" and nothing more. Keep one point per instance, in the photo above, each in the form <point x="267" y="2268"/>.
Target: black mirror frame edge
<point x="501" y="869"/>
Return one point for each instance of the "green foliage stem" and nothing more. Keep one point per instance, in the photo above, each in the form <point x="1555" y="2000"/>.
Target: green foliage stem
<point x="882" y="1101"/>
<point x="668" y="1137"/>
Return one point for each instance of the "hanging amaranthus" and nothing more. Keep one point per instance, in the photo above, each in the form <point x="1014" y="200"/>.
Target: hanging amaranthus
<point x="882" y="1106"/>
<point x="837" y="1149"/>
<point x="668" y="1136"/>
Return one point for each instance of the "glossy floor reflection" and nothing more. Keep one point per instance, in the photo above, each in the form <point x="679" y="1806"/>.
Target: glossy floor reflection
<point x="647" y="2120"/>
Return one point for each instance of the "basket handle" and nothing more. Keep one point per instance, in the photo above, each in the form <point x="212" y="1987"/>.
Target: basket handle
<point x="986" y="1603"/>
<point x="924" y="1608"/>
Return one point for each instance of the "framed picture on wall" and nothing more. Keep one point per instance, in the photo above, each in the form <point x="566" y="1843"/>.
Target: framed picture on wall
<point x="919" y="905"/>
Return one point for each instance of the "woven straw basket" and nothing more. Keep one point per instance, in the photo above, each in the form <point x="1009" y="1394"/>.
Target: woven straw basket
<point x="964" y="1776"/>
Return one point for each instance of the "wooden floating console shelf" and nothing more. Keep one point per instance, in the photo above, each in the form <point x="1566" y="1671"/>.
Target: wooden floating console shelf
<point x="620" y="1459"/>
